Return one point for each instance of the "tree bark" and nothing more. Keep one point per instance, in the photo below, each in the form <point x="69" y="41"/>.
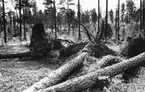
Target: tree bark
<point x="81" y="83"/>
<point x="17" y="55"/>
<point x="98" y="64"/>
<point x="59" y="74"/>
<point x="4" y="21"/>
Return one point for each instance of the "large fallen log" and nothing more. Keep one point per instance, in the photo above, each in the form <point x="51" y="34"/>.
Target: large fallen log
<point x="17" y="55"/>
<point x="79" y="84"/>
<point x="92" y="64"/>
<point x="59" y="74"/>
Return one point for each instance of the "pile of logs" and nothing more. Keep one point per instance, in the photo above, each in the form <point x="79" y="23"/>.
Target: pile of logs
<point x="110" y="66"/>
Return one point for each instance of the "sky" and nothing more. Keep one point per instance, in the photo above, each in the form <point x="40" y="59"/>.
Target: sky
<point x="90" y="4"/>
<point x="85" y="4"/>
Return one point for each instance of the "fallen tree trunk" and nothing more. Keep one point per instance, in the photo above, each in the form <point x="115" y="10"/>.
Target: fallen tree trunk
<point x="59" y="74"/>
<point x="84" y="82"/>
<point x="17" y="55"/>
<point x="92" y="64"/>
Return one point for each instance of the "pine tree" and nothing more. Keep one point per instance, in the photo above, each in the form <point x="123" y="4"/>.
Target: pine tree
<point x="118" y="20"/>
<point x="4" y="22"/>
<point x="98" y="13"/>
<point x="130" y="9"/>
<point x="79" y="20"/>
<point x="106" y="17"/>
<point x="94" y="17"/>
<point x="51" y="13"/>
<point x="111" y="15"/>
<point x="122" y="12"/>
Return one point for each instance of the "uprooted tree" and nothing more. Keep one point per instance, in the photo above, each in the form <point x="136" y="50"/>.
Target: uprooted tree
<point x="66" y="78"/>
<point x="55" y="82"/>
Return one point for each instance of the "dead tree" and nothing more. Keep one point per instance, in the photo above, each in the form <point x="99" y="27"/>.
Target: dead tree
<point x="17" y="55"/>
<point x="81" y="83"/>
<point x="59" y="74"/>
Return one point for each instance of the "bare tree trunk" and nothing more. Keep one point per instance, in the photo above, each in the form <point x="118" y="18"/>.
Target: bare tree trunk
<point x="68" y="17"/>
<point x="118" y="19"/>
<point x="79" y="35"/>
<point x="4" y="22"/>
<point x="140" y="15"/>
<point x="55" y="27"/>
<point x="98" y="17"/>
<point x="20" y="20"/>
<point x="24" y="9"/>
<point x="144" y="16"/>
<point x="106" y="19"/>
<point x="86" y="81"/>
<point x="59" y="74"/>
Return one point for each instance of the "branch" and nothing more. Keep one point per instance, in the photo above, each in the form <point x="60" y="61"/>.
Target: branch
<point x="87" y="32"/>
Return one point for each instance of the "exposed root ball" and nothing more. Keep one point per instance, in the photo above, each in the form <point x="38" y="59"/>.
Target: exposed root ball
<point x="97" y="50"/>
<point x="72" y="49"/>
<point x="134" y="47"/>
<point x="39" y="45"/>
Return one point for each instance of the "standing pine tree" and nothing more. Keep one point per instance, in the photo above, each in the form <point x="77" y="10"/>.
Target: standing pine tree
<point x="118" y="20"/>
<point x="20" y="19"/>
<point x="111" y="15"/>
<point x="130" y="10"/>
<point x="94" y="18"/>
<point x="141" y="14"/>
<point x="79" y="19"/>
<point x="122" y="12"/>
<point x="4" y="21"/>
<point x="144" y="16"/>
<point x="68" y="3"/>
<point x="106" y="17"/>
<point x="51" y="13"/>
<point x="98" y="16"/>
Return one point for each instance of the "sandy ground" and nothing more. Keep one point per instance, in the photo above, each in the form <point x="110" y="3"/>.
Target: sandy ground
<point x="20" y="73"/>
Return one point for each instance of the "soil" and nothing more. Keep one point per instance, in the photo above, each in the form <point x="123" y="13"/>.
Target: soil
<point x="20" y="73"/>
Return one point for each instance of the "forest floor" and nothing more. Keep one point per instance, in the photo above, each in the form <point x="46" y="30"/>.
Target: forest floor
<point x="20" y="73"/>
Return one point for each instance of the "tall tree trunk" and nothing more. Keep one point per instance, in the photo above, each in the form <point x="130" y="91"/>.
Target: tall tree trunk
<point x="55" y="27"/>
<point x="140" y="15"/>
<point x="20" y="19"/>
<point x="106" y="18"/>
<point x="98" y="17"/>
<point x="4" y="22"/>
<point x="144" y="16"/>
<point x="86" y="81"/>
<point x="79" y="30"/>
<point x="68" y="17"/>
<point x="24" y="9"/>
<point x="14" y="21"/>
<point x="118" y="19"/>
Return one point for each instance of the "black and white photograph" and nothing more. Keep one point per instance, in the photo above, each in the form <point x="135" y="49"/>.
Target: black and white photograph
<point x="72" y="45"/>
